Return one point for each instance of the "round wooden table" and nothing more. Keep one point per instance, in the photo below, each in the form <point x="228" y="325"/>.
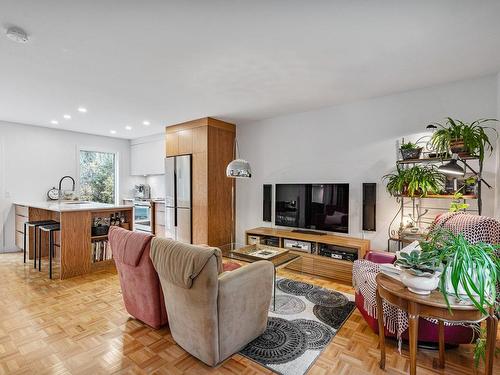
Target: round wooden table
<point x="430" y="306"/>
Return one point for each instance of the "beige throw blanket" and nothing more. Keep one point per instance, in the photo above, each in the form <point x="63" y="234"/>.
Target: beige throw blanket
<point x="180" y="263"/>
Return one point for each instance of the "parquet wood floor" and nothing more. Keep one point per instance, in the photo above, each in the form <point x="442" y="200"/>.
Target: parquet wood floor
<point x="79" y="326"/>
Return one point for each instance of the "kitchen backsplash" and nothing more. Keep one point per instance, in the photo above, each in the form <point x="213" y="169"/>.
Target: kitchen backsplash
<point x="157" y="183"/>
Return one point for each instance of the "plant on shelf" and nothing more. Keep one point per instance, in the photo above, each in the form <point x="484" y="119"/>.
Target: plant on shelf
<point x="415" y="181"/>
<point x="410" y="150"/>
<point x="459" y="137"/>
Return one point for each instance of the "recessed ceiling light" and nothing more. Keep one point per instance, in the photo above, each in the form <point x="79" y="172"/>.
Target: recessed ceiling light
<point x="128" y="127"/>
<point x="112" y="131"/>
<point x="82" y="109"/>
<point x="17" y="34"/>
<point x="146" y="123"/>
<point x="67" y="117"/>
<point x="54" y="122"/>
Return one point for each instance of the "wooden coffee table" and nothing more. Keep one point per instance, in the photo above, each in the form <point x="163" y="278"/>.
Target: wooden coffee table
<point x="431" y="306"/>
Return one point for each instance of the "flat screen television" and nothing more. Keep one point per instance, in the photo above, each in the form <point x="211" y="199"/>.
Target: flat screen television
<point x="313" y="206"/>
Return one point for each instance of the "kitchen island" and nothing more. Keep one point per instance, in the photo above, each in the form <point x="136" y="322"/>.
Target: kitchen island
<point x="75" y="252"/>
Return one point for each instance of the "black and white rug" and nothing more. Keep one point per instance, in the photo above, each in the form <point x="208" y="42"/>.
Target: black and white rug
<point x="304" y="322"/>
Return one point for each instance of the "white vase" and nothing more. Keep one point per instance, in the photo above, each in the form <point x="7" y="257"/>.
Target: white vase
<point x="423" y="285"/>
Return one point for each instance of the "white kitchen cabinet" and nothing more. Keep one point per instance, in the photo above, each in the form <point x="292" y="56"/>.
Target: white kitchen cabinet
<point x="147" y="156"/>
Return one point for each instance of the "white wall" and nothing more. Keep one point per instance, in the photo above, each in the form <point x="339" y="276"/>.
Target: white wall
<point x="497" y="184"/>
<point x="353" y="143"/>
<point x="35" y="158"/>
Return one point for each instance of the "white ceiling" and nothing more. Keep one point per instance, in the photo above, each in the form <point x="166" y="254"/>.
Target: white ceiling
<point x="172" y="61"/>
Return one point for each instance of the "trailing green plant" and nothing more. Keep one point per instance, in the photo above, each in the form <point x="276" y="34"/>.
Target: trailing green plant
<point x="416" y="181"/>
<point x="419" y="263"/>
<point x="480" y="347"/>
<point x="474" y="268"/>
<point x="476" y="141"/>
<point x="409" y="146"/>
<point x="458" y="204"/>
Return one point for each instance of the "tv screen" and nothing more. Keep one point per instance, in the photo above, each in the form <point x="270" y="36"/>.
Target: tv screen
<point x="313" y="206"/>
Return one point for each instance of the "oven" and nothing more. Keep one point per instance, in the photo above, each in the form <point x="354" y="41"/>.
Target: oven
<point x="143" y="216"/>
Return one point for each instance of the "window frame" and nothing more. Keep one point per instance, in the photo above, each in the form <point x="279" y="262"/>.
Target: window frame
<point x="116" y="154"/>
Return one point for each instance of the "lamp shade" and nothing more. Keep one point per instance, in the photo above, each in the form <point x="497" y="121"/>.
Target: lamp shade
<point x="239" y="168"/>
<point x="452" y="168"/>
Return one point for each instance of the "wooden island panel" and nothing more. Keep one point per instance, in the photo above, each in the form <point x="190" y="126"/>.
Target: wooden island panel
<point x="75" y="243"/>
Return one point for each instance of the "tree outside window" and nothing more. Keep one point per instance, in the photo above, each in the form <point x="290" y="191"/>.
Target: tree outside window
<point x="97" y="176"/>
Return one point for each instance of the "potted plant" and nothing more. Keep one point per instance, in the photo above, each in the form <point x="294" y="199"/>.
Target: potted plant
<point x="464" y="139"/>
<point x="410" y="150"/>
<point x="415" y="181"/>
<point x="420" y="271"/>
<point x="470" y="271"/>
<point x="458" y="204"/>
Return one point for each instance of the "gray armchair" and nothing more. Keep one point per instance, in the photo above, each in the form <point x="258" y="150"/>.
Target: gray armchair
<point x="212" y="314"/>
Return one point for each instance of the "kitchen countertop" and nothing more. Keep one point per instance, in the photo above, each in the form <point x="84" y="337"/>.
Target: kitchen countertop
<point x="72" y="206"/>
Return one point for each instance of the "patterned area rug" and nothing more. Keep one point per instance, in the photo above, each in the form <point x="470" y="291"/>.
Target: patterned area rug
<point x="306" y="319"/>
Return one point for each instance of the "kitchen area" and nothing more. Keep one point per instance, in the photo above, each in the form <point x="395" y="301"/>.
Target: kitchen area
<point x="172" y="184"/>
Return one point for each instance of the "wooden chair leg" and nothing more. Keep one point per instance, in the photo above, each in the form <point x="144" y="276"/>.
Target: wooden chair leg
<point x="491" y="333"/>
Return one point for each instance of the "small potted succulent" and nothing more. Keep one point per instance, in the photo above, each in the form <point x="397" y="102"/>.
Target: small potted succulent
<point x="410" y="150"/>
<point x="421" y="270"/>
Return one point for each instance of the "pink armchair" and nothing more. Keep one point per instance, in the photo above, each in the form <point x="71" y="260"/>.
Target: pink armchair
<point x="141" y="289"/>
<point x="476" y="229"/>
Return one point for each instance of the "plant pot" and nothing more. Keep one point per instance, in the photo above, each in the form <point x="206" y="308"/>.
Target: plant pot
<point x="411" y="153"/>
<point x="457" y="146"/>
<point x="422" y="285"/>
<point x="461" y="291"/>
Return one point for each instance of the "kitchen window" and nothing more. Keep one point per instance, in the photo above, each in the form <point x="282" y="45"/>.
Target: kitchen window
<point x="98" y="176"/>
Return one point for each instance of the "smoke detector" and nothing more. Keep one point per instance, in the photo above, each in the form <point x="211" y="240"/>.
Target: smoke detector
<point x="17" y="34"/>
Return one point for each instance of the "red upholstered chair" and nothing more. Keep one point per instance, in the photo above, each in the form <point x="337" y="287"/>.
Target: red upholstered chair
<point x="141" y="289"/>
<point x="475" y="229"/>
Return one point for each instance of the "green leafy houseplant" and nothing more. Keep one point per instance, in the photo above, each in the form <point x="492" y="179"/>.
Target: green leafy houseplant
<point x="457" y="204"/>
<point x="416" y="181"/>
<point x="470" y="271"/>
<point x="462" y="138"/>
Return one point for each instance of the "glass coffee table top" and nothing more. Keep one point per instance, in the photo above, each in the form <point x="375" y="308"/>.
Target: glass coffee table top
<point x="253" y="253"/>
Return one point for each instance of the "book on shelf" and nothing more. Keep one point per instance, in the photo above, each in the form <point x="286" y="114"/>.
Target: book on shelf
<point x="101" y="250"/>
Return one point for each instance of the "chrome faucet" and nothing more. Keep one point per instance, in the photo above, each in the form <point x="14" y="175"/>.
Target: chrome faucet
<point x="60" y="185"/>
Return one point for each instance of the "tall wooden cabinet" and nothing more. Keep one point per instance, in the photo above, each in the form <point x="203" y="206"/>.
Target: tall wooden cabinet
<point x="210" y="142"/>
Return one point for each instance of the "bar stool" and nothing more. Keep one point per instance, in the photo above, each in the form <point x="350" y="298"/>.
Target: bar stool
<point x="34" y="224"/>
<point x="50" y="229"/>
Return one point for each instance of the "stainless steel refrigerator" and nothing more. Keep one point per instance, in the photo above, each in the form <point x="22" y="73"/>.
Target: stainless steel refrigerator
<point x="178" y="218"/>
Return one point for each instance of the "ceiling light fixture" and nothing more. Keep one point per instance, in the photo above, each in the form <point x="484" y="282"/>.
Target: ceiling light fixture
<point x="128" y="127"/>
<point x="67" y="117"/>
<point x="82" y="109"/>
<point x="17" y="34"/>
<point x="54" y="122"/>
<point x="146" y="123"/>
<point x="112" y="131"/>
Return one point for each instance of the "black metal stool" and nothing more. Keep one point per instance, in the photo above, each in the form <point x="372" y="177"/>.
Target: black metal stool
<point x="34" y="224"/>
<point x="50" y="229"/>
